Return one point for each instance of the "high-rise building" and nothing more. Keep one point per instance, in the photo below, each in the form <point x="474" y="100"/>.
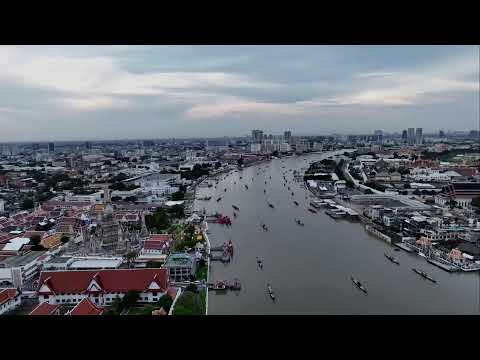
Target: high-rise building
<point x="88" y="145"/>
<point x="35" y="146"/>
<point x="411" y="136"/>
<point x="257" y="136"/>
<point x="51" y="147"/>
<point x="287" y="136"/>
<point x="419" y="136"/>
<point x="378" y="136"/>
<point x="441" y="134"/>
<point x="404" y="135"/>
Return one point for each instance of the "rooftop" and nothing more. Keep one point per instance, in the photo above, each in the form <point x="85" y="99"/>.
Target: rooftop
<point x="21" y="260"/>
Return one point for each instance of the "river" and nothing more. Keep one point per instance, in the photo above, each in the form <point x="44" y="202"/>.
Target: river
<point x="309" y="267"/>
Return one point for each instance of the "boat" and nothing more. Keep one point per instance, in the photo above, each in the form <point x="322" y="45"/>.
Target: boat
<point x="220" y="198"/>
<point x="264" y="191"/>
<point x="335" y="214"/>
<point x="225" y="189"/>
<point x="424" y="275"/>
<point x="205" y="198"/>
<point x="422" y="254"/>
<point x="299" y="222"/>
<point x="265" y="183"/>
<point x="219" y="285"/>
<point x="246" y="186"/>
<point x="316" y="204"/>
<point x="230" y="247"/>
<point x="260" y="263"/>
<point x="234" y="214"/>
<point x="271" y="205"/>
<point x="236" y="207"/>
<point x="359" y="284"/>
<point x="293" y="194"/>
<point x="296" y="203"/>
<point x="312" y="211"/>
<point x="270" y="292"/>
<point x="397" y="249"/>
<point x="392" y="259"/>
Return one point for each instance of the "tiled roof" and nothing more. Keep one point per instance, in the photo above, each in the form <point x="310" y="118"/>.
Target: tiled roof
<point x="44" y="308"/>
<point x="153" y="245"/>
<point x="86" y="307"/>
<point x="160" y="237"/>
<point x="7" y="294"/>
<point x="119" y="280"/>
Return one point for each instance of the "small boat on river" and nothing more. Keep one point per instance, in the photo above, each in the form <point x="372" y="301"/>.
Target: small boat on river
<point x="359" y="284"/>
<point x="312" y="211"/>
<point x="236" y="207"/>
<point x="424" y="275"/>
<point x="392" y="259"/>
<point x="271" y="293"/>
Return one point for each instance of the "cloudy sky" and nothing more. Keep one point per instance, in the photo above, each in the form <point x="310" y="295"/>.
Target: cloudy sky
<point x="119" y="92"/>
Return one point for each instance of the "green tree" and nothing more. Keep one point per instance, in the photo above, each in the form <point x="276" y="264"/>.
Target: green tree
<point x="176" y="196"/>
<point x="35" y="239"/>
<point x="28" y="204"/>
<point x="407" y="186"/>
<point x="130" y="298"/>
<point x="64" y="239"/>
<point x="165" y="302"/>
<point x="130" y="257"/>
<point x="476" y="202"/>
<point x="158" y="221"/>
<point x="189" y="303"/>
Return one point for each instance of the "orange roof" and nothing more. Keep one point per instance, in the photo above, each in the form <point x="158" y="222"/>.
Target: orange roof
<point x="45" y="308"/>
<point x="7" y="294"/>
<point x="86" y="307"/>
<point x="51" y="241"/>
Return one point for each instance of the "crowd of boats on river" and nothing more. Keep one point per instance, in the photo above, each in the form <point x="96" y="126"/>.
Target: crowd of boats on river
<point x="315" y="205"/>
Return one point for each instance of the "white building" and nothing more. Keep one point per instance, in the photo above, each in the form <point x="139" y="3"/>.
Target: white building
<point x="255" y="148"/>
<point x="83" y="263"/>
<point x="17" y="270"/>
<point x="285" y="147"/>
<point x="102" y="287"/>
<point x="92" y="198"/>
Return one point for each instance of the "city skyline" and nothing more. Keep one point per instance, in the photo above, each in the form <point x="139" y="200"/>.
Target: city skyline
<point x="74" y="93"/>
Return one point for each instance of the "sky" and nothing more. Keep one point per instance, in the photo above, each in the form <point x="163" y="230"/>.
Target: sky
<point x="135" y="92"/>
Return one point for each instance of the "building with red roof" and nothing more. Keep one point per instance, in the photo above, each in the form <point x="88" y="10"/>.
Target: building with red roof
<point x="102" y="287"/>
<point x="45" y="308"/>
<point x="9" y="299"/>
<point x="86" y="307"/>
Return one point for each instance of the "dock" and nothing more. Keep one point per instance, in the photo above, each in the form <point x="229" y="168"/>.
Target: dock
<point x="446" y="267"/>
<point x="225" y="285"/>
<point x="403" y="247"/>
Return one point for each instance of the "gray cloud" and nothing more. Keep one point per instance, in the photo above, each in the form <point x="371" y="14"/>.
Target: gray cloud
<point x="80" y="92"/>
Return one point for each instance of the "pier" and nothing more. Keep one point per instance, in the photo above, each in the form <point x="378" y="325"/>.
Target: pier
<point x="403" y="247"/>
<point x="446" y="267"/>
<point x="225" y="285"/>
